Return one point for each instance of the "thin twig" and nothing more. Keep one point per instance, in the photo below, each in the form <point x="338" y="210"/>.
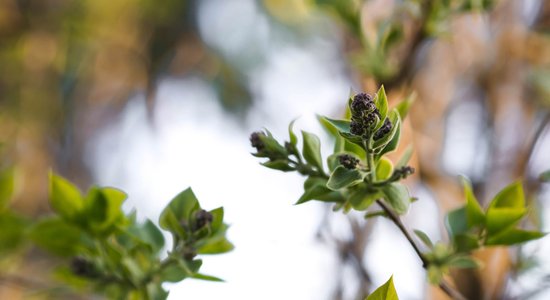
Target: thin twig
<point x="451" y="292"/>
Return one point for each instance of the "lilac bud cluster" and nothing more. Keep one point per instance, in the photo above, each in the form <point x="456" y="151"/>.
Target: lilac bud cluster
<point x="364" y="114"/>
<point x="348" y="161"/>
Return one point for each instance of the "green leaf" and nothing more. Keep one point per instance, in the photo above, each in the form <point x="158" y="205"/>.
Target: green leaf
<point x="216" y="247"/>
<point x="362" y="199"/>
<point x="217" y="219"/>
<point x="499" y="219"/>
<point x="57" y="237"/>
<point x="12" y="232"/>
<point x="155" y="292"/>
<point x="180" y="269"/>
<point x="6" y="187"/>
<point x="393" y="143"/>
<point x="463" y="262"/>
<point x="464" y="242"/>
<point x="456" y="221"/>
<point x="312" y="150"/>
<point x="279" y="164"/>
<point x="292" y="136"/>
<point x="404" y="106"/>
<point x="514" y="236"/>
<point x="404" y="160"/>
<point x="545" y="176"/>
<point x="207" y="277"/>
<point x="65" y="198"/>
<point x="396" y="124"/>
<point x="353" y="139"/>
<point x="178" y="212"/>
<point x="342" y="178"/>
<point x="315" y="188"/>
<point x="381" y="102"/>
<point x="384" y="169"/>
<point x="424" y="238"/>
<point x="384" y="292"/>
<point x="397" y="196"/>
<point x="149" y="233"/>
<point x="340" y="125"/>
<point x="474" y="213"/>
<point x="103" y="209"/>
<point x="511" y="196"/>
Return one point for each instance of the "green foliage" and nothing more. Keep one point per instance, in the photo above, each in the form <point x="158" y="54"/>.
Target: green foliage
<point x="108" y="251"/>
<point x="384" y="292"/>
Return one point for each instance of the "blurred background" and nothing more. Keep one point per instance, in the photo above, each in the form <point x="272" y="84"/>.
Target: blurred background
<point x="153" y="97"/>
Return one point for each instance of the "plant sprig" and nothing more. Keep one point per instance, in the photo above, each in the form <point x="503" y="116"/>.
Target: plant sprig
<point x="361" y="175"/>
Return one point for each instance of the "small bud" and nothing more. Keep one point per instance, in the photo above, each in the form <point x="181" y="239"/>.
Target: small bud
<point x="83" y="268"/>
<point x="385" y="129"/>
<point x="348" y="161"/>
<point x="361" y="103"/>
<point x="356" y="128"/>
<point x="202" y="218"/>
<point x="404" y="172"/>
<point x="256" y="141"/>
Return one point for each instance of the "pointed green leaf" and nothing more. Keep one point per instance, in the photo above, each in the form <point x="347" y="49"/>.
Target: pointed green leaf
<point x="499" y="219"/>
<point x="340" y="125"/>
<point x="381" y="102"/>
<point x="396" y="124"/>
<point x="207" y="277"/>
<point x="456" y="222"/>
<point x="315" y="188"/>
<point x="511" y="196"/>
<point x="312" y="150"/>
<point x="361" y="199"/>
<point x="404" y="160"/>
<point x="394" y="142"/>
<point x="353" y="139"/>
<point x="292" y="136"/>
<point x="404" y="106"/>
<point x="342" y="177"/>
<point x="65" y="198"/>
<point x="217" y="247"/>
<point x="179" y="211"/>
<point x="397" y="196"/>
<point x="384" y="292"/>
<point x="279" y="164"/>
<point x="474" y="213"/>
<point x="424" y="238"/>
<point x="513" y="237"/>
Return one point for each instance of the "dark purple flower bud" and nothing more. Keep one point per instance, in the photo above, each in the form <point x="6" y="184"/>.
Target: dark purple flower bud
<point x="348" y="161"/>
<point x="385" y="129"/>
<point x="356" y="128"/>
<point x="370" y="119"/>
<point x="83" y="268"/>
<point x="361" y="103"/>
<point x="202" y="218"/>
<point x="404" y="172"/>
<point x="256" y="140"/>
